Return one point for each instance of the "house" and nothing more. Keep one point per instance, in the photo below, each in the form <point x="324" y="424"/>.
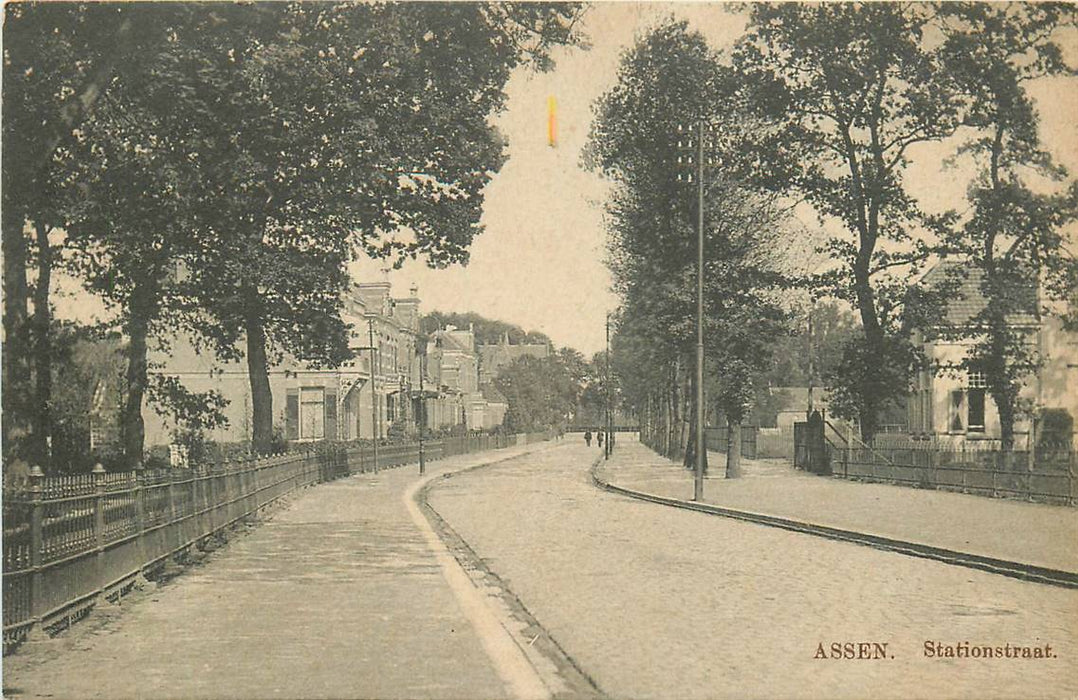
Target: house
<point x="453" y="364"/>
<point x="493" y="358"/>
<point x="794" y="403"/>
<point x="950" y="404"/>
<point x="364" y="397"/>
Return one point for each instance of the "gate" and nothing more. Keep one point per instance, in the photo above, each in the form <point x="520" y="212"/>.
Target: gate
<point x="810" y="447"/>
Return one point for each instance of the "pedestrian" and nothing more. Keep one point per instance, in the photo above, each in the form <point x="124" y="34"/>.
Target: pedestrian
<point x="612" y="441"/>
<point x="600" y="438"/>
<point x="587" y="437"/>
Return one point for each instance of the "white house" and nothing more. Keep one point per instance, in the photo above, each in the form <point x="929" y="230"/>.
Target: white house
<point x="950" y="404"/>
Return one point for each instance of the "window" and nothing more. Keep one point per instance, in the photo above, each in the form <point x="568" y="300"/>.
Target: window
<point x="976" y="383"/>
<point x="312" y="412"/>
<point x="975" y="402"/>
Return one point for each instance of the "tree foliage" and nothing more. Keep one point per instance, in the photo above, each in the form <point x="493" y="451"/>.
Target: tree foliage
<point x="854" y="88"/>
<point x="255" y="148"/>
<point x="672" y="79"/>
<point x="1013" y="243"/>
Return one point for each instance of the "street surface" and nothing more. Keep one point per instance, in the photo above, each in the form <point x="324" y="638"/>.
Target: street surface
<point x="657" y="602"/>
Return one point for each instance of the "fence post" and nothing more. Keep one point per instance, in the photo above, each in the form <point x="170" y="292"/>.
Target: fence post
<point x="140" y="517"/>
<point x="1070" y="476"/>
<point x="99" y="524"/>
<point x="37" y="547"/>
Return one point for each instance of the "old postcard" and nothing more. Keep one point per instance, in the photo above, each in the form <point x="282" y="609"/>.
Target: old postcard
<point x="540" y="350"/>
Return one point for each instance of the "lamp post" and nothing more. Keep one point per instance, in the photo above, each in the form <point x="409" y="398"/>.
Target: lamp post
<point x="374" y="393"/>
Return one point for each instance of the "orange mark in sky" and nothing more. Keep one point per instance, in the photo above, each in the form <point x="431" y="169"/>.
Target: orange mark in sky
<point x="552" y="122"/>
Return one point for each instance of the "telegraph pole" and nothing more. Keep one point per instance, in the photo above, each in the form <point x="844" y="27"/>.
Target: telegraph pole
<point x="698" y="482"/>
<point x="422" y="412"/>
<point x="698" y="475"/>
<point x="608" y="426"/>
<point x="374" y="392"/>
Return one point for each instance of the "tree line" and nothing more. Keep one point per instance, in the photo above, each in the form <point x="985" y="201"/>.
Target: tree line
<point x="211" y="169"/>
<point x="827" y="106"/>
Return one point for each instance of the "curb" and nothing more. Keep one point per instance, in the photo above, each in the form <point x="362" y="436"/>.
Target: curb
<point x="1003" y="567"/>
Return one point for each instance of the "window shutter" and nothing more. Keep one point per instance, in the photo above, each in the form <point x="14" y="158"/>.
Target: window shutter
<point x="331" y="413"/>
<point x="958" y="411"/>
<point x="291" y="415"/>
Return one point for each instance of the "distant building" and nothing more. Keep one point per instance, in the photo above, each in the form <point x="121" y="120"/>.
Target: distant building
<point x="493" y="358"/>
<point x="454" y="366"/>
<point x="793" y="404"/>
<point x="951" y="405"/>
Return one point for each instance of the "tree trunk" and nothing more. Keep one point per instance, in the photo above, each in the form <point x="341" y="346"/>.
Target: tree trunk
<point x="16" y="355"/>
<point x="261" y="396"/>
<point x="132" y="427"/>
<point x="690" y="447"/>
<point x="733" y="449"/>
<point x="874" y="357"/>
<point x="42" y="413"/>
<point x="683" y="412"/>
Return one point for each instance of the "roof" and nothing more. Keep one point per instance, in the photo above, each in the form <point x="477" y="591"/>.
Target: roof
<point x="967" y="301"/>
<point x="503" y="353"/>
<point x="451" y="340"/>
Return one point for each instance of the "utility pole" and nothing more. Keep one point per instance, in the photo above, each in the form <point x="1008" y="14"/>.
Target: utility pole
<point x="609" y="430"/>
<point x="422" y="411"/>
<point x="698" y="475"/>
<point x="374" y="392"/>
<point x="698" y="482"/>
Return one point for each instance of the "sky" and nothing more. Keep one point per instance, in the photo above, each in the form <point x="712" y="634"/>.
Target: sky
<point x="540" y="261"/>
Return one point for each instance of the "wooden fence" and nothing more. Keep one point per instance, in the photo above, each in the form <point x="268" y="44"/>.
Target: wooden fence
<point x="718" y="439"/>
<point x="977" y="472"/>
<point x="71" y="541"/>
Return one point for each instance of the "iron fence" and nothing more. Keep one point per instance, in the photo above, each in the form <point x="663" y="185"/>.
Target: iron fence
<point x="71" y="541"/>
<point x="1046" y="477"/>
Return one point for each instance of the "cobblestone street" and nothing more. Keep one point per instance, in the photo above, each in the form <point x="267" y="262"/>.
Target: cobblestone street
<point x="657" y="602"/>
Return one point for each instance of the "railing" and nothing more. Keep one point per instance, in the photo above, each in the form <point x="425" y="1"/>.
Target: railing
<point x="1053" y="480"/>
<point x="71" y="541"/>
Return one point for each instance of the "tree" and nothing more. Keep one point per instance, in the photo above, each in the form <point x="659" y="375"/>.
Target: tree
<point x="855" y="87"/>
<point x="268" y="143"/>
<point x="58" y="59"/>
<point x="539" y="390"/>
<point x="671" y="77"/>
<point x="1013" y="243"/>
<point x="132" y="190"/>
<point x="373" y="136"/>
<point x="487" y="331"/>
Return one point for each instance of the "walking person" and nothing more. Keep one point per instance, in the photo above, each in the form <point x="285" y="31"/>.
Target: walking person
<point x="587" y="437"/>
<point x="600" y="433"/>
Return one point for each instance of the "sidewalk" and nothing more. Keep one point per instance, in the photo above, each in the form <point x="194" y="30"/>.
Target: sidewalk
<point x="1028" y="533"/>
<point x="338" y="595"/>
